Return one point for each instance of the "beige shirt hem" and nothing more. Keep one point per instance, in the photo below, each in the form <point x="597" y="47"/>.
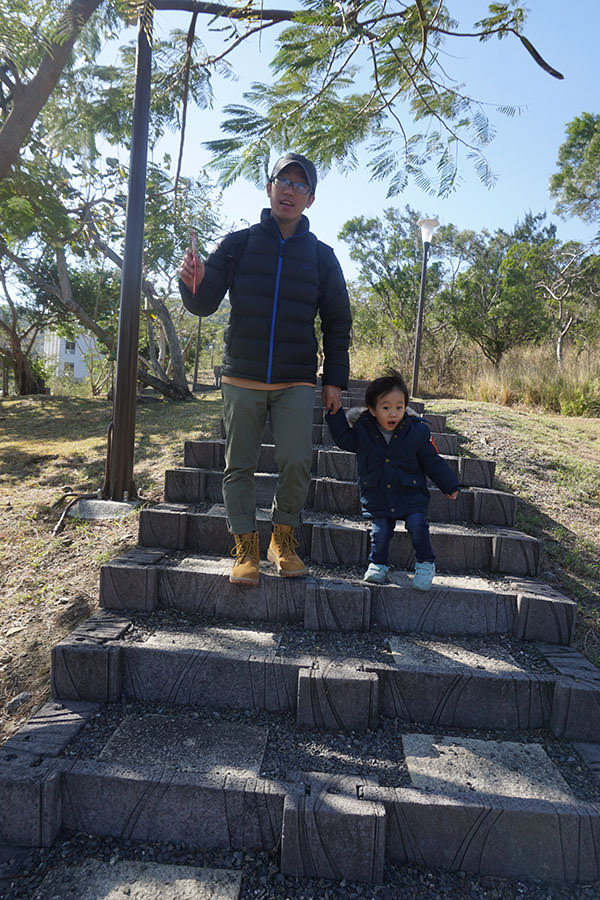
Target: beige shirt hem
<point x="262" y="386"/>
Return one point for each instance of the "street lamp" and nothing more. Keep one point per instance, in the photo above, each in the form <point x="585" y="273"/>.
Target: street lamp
<point x="426" y="226"/>
<point x="119" y="484"/>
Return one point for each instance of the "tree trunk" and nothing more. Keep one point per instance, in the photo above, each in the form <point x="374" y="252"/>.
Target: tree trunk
<point x="28" y="99"/>
<point x="25" y="380"/>
<point x="177" y="388"/>
<point x="561" y="340"/>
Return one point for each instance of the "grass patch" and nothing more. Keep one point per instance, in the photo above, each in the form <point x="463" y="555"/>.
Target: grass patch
<point x="50" y="583"/>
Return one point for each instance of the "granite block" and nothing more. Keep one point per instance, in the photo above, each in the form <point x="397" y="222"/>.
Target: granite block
<point x="337" y="698"/>
<point x="163" y="526"/>
<point x="504" y="837"/>
<point x="164" y="805"/>
<point x="30" y="811"/>
<point x="337" y="606"/>
<point x="185" y="485"/>
<point x="127" y="585"/>
<point x="333" y="836"/>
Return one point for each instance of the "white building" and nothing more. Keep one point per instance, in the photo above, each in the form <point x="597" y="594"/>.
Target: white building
<point x="68" y="357"/>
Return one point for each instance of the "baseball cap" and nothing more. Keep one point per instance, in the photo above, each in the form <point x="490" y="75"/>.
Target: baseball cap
<point x="291" y="159"/>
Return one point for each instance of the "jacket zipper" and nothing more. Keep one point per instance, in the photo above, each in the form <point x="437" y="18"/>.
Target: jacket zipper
<point x="274" y="314"/>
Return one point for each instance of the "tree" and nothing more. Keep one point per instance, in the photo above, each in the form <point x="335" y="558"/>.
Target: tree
<point x="493" y="300"/>
<point x="62" y="206"/>
<point x="62" y="244"/>
<point x="312" y="101"/>
<point x="389" y="254"/>
<point x="570" y="280"/>
<point x="576" y="185"/>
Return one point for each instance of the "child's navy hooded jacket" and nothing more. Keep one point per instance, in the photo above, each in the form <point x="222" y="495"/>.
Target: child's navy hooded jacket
<point x="392" y="477"/>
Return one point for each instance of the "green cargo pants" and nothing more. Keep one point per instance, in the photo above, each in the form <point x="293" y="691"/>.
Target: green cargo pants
<point x="291" y="414"/>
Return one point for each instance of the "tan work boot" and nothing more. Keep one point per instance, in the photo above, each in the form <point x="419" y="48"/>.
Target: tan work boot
<point x="282" y="552"/>
<point x="245" y="567"/>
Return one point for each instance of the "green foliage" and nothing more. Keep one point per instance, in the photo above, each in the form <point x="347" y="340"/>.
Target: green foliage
<point x="581" y="399"/>
<point x="394" y="57"/>
<point x="389" y="255"/>
<point x="494" y="300"/>
<point x="576" y="185"/>
<point x="498" y="291"/>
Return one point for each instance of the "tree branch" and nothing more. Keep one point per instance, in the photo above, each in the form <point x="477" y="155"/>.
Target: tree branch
<point x="30" y="99"/>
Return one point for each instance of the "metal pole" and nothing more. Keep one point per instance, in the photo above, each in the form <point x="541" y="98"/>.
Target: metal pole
<point x="120" y="484"/>
<point x="415" y="376"/>
<point x="198" y="338"/>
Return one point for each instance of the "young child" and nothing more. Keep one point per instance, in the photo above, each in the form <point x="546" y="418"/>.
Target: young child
<point x="394" y="454"/>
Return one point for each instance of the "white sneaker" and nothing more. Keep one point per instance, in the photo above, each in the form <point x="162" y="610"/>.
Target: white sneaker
<point x="377" y="573"/>
<point x="423" y="576"/>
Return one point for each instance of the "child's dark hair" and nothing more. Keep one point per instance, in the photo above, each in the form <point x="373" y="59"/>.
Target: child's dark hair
<point x="384" y="385"/>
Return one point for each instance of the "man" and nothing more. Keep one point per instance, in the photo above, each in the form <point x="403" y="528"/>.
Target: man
<point x="279" y="278"/>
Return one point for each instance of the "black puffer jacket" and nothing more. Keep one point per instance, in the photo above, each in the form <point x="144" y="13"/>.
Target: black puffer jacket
<point x="279" y="286"/>
<point x="392" y="477"/>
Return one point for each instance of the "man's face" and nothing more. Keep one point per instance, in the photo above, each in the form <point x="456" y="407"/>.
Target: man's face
<point x="288" y="204"/>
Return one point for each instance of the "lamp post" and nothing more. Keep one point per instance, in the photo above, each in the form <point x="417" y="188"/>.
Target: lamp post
<point x="119" y="484"/>
<point x="426" y="226"/>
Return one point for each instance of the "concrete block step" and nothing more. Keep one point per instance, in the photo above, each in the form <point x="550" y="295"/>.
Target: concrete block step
<point x="321" y="437"/>
<point x="329" y="681"/>
<point x="344" y="542"/>
<point x="145" y="580"/>
<point x="481" y="506"/>
<point x="518" y="807"/>
<point x="332" y="463"/>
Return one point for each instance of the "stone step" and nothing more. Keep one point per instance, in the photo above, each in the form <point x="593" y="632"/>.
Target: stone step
<point x="144" y="579"/>
<point x="345" y="542"/>
<point x="470" y="471"/>
<point x="332" y="463"/>
<point x="481" y="506"/>
<point x="325" y="806"/>
<point x="321" y="437"/>
<point x="327" y="680"/>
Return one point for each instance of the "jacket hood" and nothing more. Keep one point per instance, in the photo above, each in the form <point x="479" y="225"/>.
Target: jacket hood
<point x="355" y="412"/>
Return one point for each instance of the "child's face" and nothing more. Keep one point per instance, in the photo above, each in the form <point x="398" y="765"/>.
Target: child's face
<point x="390" y="408"/>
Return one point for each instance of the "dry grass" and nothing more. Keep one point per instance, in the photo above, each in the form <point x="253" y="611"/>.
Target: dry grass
<point x="552" y="464"/>
<point x="526" y="376"/>
<point x="49" y="584"/>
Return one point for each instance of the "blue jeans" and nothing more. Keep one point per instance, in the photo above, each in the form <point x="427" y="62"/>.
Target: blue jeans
<point x="382" y="530"/>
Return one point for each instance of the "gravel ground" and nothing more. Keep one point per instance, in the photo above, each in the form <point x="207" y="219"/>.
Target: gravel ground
<point x="374" y="754"/>
<point x="261" y="879"/>
<point x="372" y="647"/>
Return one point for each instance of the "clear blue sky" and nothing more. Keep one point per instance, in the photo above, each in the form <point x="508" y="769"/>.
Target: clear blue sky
<point x="523" y="154"/>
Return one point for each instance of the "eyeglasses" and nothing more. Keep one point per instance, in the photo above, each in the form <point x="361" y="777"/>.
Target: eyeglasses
<point x="298" y="186"/>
